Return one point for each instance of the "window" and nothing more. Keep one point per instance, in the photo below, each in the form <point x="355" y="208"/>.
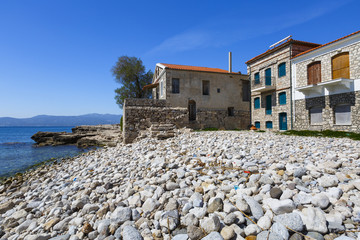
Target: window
<point x="218" y="90"/>
<point x="314" y="73"/>
<point x="161" y="88"/>
<point x="343" y="115"/>
<point x="256" y="103"/>
<point x="230" y="111"/>
<point x="340" y="66"/>
<point x="257" y="125"/>
<point x="268" y="109"/>
<point x="268" y="77"/>
<point x="175" y="85"/>
<point x="246" y="91"/>
<point x="282" y="98"/>
<point x="269" y="124"/>
<point x="257" y="78"/>
<point x="282" y="69"/>
<point x="206" y="87"/>
<point x="315" y="115"/>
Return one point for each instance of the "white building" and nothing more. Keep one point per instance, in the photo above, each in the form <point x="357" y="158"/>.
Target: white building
<point x="326" y="86"/>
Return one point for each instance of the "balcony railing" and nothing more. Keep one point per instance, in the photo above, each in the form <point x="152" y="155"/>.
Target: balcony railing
<point x="263" y="84"/>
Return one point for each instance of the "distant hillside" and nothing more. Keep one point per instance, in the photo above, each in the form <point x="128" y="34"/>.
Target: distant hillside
<point x="46" y="120"/>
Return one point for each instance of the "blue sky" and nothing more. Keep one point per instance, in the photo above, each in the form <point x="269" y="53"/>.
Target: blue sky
<point x="56" y="56"/>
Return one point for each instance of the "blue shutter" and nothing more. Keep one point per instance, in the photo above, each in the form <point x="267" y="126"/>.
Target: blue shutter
<point x="268" y="110"/>
<point x="269" y="124"/>
<point x="282" y="69"/>
<point x="268" y="77"/>
<point x="282" y="98"/>
<point x="257" y="103"/>
<point x="257" y="125"/>
<point x="257" y="78"/>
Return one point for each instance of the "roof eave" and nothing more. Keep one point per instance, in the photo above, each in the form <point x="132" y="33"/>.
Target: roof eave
<point x="290" y="41"/>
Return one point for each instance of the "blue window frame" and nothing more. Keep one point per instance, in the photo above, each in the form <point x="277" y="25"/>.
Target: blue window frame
<point x="257" y="103"/>
<point x="282" y="98"/>
<point x="269" y="124"/>
<point x="257" y="125"/>
<point x="268" y="109"/>
<point x="257" y="78"/>
<point x="282" y="69"/>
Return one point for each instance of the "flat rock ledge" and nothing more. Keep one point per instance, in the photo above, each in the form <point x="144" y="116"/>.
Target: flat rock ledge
<point x="224" y="185"/>
<point x="81" y="136"/>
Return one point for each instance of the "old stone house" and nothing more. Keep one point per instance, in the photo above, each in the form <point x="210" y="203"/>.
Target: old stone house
<point x="214" y="97"/>
<point x="270" y="77"/>
<point x="326" y="86"/>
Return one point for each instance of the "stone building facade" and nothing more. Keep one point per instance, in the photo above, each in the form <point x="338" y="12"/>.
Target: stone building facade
<point x="326" y="86"/>
<point x="214" y="97"/>
<point x="187" y="96"/>
<point x="270" y="77"/>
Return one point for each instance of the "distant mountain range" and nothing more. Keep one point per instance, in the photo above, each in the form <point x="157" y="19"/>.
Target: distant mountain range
<point x="47" y="120"/>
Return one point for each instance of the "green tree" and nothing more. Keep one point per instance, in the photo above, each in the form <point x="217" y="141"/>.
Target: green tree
<point x="130" y="72"/>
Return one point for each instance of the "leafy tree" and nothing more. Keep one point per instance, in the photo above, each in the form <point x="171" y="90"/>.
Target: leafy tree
<point x="130" y="72"/>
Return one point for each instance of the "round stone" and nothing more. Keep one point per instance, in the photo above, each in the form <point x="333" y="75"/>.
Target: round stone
<point x="276" y="193"/>
<point x="227" y="233"/>
<point x="216" y="205"/>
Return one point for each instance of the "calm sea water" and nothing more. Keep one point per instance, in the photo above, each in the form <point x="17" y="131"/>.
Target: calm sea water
<point x="17" y="152"/>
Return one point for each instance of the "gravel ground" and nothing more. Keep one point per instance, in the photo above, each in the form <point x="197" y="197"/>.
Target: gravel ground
<point x="197" y="185"/>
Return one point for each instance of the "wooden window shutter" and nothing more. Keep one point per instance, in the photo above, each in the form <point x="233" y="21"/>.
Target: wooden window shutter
<point x="340" y="66"/>
<point x="314" y="73"/>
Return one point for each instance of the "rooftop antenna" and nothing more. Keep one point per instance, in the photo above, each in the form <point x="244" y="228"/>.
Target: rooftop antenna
<point x="282" y="40"/>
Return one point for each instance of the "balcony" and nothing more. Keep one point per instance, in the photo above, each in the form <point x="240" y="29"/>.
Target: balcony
<point x="337" y="84"/>
<point x="263" y="84"/>
<point x="331" y="86"/>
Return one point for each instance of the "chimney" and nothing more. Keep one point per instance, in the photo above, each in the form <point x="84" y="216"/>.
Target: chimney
<point x="230" y="63"/>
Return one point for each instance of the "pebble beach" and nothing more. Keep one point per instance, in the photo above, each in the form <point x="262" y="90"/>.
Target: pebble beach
<point x="197" y="185"/>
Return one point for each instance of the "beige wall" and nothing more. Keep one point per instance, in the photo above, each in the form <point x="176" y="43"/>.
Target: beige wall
<point x="230" y="86"/>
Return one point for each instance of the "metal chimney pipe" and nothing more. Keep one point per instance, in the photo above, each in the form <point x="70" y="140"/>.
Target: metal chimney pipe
<point x="230" y="62"/>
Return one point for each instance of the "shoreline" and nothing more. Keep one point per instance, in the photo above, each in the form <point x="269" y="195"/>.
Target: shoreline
<point x="23" y="169"/>
<point x="195" y="185"/>
<point x="46" y="163"/>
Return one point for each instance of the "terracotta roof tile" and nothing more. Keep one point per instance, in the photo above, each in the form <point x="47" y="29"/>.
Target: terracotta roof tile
<point x="194" y="68"/>
<point x="290" y="40"/>
<point x="327" y="44"/>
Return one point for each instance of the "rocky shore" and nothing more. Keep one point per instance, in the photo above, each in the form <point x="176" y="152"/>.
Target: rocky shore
<point x="81" y="136"/>
<point x="197" y="185"/>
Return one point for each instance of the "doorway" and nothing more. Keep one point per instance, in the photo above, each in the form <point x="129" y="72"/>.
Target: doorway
<point x="192" y="110"/>
<point x="282" y="121"/>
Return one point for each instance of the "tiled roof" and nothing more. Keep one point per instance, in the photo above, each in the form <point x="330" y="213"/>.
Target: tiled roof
<point x="327" y="44"/>
<point x="193" y="68"/>
<point x="290" y="40"/>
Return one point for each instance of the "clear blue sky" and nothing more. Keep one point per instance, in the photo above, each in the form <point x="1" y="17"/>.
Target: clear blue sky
<point x="56" y="56"/>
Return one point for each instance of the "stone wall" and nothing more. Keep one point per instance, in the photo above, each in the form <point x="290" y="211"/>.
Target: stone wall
<point x="141" y="114"/>
<point x="259" y="115"/>
<point x="328" y="103"/>
<point x="206" y="118"/>
<point x="326" y="68"/>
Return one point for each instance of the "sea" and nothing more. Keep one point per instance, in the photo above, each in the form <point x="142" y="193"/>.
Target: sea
<point x="18" y="153"/>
